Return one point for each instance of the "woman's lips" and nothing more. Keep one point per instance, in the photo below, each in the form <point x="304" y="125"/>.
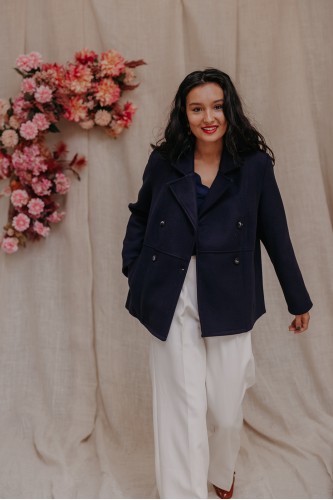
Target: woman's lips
<point x="209" y="130"/>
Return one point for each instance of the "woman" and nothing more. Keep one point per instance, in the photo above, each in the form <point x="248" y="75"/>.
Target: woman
<point x="192" y="257"/>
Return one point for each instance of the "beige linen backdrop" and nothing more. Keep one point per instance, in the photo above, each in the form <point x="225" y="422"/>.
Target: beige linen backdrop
<point x="75" y="393"/>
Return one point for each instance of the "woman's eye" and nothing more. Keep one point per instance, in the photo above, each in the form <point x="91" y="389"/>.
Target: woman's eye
<point x="218" y="106"/>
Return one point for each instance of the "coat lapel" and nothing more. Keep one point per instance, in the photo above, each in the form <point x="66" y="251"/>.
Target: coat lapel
<point x="184" y="188"/>
<point x="221" y="183"/>
<point x="185" y="192"/>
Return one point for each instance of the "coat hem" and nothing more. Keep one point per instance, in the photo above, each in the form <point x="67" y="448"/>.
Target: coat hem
<point x="215" y="334"/>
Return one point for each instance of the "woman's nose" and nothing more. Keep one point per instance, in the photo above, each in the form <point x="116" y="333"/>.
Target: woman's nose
<point x="208" y="117"/>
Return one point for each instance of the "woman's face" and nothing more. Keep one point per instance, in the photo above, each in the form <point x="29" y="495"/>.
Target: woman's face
<point x="204" y="109"/>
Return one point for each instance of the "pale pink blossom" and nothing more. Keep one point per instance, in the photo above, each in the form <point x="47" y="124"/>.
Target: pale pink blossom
<point x="129" y="75"/>
<point x="27" y="62"/>
<point x="86" y="125"/>
<point x="9" y="245"/>
<point x="41" y="186"/>
<point x="28" y="85"/>
<point x="21" y="222"/>
<point x="19" y="197"/>
<point x="56" y="216"/>
<point x="41" y="121"/>
<point x="36" y="206"/>
<point x="39" y="228"/>
<point x="9" y="138"/>
<point x="28" y="130"/>
<point x="102" y="117"/>
<point x="62" y="183"/>
<point x="14" y="122"/>
<point x="43" y="94"/>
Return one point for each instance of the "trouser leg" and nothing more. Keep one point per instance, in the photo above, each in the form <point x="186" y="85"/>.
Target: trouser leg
<point x="178" y="372"/>
<point x="230" y="371"/>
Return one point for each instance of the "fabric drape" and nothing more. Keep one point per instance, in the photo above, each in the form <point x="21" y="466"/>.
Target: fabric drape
<point x="76" y="414"/>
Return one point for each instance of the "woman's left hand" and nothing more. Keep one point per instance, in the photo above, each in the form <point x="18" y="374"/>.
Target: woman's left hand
<point x="300" y="323"/>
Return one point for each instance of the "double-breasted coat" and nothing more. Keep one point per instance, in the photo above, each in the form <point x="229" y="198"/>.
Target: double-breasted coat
<point x="242" y="208"/>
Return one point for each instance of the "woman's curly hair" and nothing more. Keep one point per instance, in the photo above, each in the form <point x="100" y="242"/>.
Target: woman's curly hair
<point x="240" y="137"/>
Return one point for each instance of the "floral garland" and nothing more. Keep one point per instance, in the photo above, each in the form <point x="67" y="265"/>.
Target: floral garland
<point x="87" y="92"/>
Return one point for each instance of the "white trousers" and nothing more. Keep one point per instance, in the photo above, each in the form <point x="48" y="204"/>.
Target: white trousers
<point x="198" y="384"/>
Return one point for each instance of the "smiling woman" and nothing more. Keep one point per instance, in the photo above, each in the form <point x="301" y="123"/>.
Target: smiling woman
<point x="192" y="255"/>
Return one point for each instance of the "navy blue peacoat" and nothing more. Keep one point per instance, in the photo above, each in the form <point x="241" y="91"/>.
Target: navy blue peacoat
<point x="242" y="208"/>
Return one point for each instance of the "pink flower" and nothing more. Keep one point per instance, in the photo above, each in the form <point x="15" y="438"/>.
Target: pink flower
<point x="41" y="186"/>
<point x="102" y="117"/>
<point x="9" y="245"/>
<point x="21" y="222"/>
<point x="112" y="63"/>
<point x="19" y="197"/>
<point x="43" y="94"/>
<point x="55" y="216"/>
<point x="30" y="159"/>
<point x="28" y="130"/>
<point x="20" y="106"/>
<point x="41" y="121"/>
<point x="107" y="92"/>
<point x="36" y="206"/>
<point x="9" y="138"/>
<point x="62" y="183"/>
<point x="53" y="74"/>
<point x="28" y="85"/>
<point x="76" y="109"/>
<point x="86" y="56"/>
<point x="78" y="78"/>
<point x="39" y="228"/>
<point x="27" y="62"/>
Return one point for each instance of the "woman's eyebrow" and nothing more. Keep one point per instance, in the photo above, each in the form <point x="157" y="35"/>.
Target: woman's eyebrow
<point x="217" y="100"/>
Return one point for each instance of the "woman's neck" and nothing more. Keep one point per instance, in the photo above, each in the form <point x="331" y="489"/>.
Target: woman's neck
<point x="208" y="152"/>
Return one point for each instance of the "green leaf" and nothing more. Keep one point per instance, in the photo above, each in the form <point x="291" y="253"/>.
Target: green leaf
<point x="53" y="128"/>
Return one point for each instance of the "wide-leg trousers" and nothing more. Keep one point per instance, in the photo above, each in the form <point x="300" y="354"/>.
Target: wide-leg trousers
<point x="198" y="384"/>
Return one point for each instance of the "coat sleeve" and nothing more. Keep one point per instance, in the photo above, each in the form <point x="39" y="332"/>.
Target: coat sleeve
<point x="274" y="233"/>
<point x="137" y="222"/>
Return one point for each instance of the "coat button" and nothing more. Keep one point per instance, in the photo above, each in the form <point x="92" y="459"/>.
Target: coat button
<point x="182" y="268"/>
<point x="240" y="224"/>
<point x="236" y="260"/>
<point x="154" y="257"/>
<point x="162" y="223"/>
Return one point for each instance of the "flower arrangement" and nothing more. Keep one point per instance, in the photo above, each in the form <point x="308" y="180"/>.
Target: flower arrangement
<point x="86" y="92"/>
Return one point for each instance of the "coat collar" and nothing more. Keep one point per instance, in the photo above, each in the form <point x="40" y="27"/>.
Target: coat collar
<point x="185" y="164"/>
<point x="184" y="188"/>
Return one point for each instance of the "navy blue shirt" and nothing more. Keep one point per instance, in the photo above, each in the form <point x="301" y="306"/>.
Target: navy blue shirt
<point x="202" y="191"/>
